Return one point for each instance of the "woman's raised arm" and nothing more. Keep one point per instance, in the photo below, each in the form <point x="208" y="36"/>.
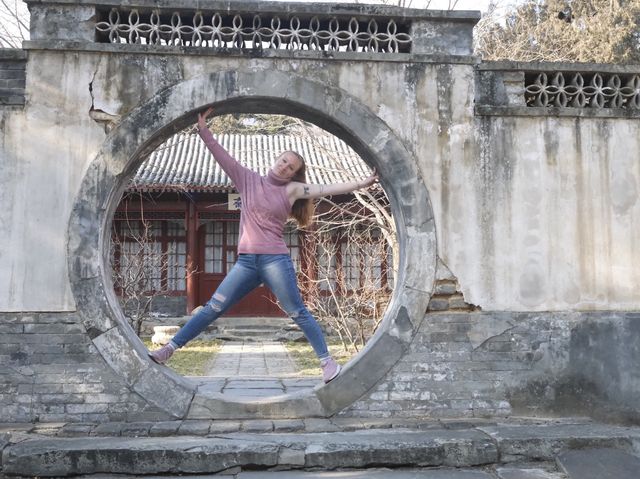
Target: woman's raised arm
<point x="228" y="163"/>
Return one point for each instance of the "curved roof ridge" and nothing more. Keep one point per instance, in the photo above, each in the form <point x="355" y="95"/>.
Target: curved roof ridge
<point x="184" y="163"/>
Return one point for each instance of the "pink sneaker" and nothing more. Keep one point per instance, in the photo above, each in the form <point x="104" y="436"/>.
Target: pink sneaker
<point x="163" y="354"/>
<point x="330" y="370"/>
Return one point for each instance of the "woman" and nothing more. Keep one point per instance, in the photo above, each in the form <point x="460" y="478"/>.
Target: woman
<point x="263" y="257"/>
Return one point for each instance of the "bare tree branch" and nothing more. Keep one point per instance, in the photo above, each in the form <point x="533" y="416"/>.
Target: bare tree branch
<point x="139" y="268"/>
<point x="14" y="23"/>
<point x="603" y="31"/>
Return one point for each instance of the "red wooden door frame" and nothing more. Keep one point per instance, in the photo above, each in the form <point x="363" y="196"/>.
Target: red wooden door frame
<point x="260" y="302"/>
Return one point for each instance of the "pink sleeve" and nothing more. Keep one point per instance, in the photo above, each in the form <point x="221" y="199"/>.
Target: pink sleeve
<point x="229" y="164"/>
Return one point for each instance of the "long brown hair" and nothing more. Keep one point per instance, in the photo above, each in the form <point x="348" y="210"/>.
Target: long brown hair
<point x="302" y="209"/>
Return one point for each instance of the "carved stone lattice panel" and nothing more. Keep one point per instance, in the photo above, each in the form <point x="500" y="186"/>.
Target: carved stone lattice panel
<point x="221" y="30"/>
<point x="583" y="90"/>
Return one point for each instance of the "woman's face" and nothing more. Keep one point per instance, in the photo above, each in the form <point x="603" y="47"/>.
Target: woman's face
<point x="286" y="165"/>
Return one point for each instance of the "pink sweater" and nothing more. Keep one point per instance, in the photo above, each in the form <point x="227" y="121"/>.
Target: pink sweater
<point x="265" y="206"/>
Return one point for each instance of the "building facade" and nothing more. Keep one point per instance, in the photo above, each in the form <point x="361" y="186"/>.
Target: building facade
<point x="175" y="231"/>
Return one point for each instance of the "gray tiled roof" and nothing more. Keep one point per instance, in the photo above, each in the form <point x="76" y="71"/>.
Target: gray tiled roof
<point x="184" y="163"/>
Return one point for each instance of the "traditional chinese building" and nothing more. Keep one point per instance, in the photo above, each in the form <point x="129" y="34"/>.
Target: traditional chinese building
<point x="183" y="211"/>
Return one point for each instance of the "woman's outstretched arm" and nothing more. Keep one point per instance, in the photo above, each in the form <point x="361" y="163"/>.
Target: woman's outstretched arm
<point x="229" y="164"/>
<point x="304" y="190"/>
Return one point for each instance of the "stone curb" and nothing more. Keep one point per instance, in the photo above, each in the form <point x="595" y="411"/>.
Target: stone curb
<point x="194" y="427"/>
<point x="30" y="454"/>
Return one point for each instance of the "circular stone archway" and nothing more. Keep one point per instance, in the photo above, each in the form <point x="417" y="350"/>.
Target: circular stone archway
<point x="141" y="131"/>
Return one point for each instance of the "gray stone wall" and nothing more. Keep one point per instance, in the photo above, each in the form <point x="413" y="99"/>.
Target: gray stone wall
<point x="466" y="364"/>
<point x="603" y="366"/>
<point x="51" y="372"/>
<point x="458" y="365"/>
<point x="500" y="364"/>
<point x="170" y="305"/>
<point x="12" y="77"/>
<point x="533" y="211"/>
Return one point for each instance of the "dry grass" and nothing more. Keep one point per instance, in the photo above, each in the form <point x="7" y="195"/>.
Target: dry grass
<point x="192" y="360"/>
<point x="306" y="359"/>
<point x="195" y="358"/>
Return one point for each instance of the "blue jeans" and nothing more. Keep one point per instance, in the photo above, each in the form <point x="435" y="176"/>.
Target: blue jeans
<point x="250" y="271"/>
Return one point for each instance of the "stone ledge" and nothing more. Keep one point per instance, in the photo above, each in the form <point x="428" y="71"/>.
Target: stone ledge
<point x="537" y="67"/>
<point x="307" y="8"/>
<point x="68" y="45"/>
<point x="12" y="54"/>
<point x="72" y="456"/>
<point x="461" y="444"/>
<point x="486" y="110"/>
<point x="309" y="425"/>
<point x="12" y="101"/>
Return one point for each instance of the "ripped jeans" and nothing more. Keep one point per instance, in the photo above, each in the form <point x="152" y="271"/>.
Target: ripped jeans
<point x="250" y="271"/>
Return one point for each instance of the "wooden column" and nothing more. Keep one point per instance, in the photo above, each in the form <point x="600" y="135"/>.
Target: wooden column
<point x="192" y="257"/>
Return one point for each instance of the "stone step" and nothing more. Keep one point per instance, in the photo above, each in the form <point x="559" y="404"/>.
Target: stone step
<point x="539" y="471"/>
<point x="481" y="446"/>
<point x="599" y="463"/>
<point x="248" y="331"/>
<point x="250" y="327"/>
<point x="253" y="322"/>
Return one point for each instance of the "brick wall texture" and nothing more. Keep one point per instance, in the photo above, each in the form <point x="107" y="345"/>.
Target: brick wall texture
<point x="12" y="77"/>
<point x="51" y="372"/>
<point x="469" y="364"/>
<point x="459" y="364"/>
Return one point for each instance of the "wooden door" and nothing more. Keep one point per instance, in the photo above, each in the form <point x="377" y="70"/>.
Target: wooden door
<point x="218" y="242"/>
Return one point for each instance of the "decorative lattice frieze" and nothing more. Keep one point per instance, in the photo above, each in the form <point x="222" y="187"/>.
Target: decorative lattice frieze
<point x="256" y="31"/>
<point x="583" y="90"/>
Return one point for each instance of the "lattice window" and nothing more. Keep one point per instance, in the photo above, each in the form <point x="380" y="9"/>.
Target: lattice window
<point x="213" y="247"/>
<point x="327" y="266"/>
<point x="258" y="31"/>
<point x="176" y="252"/>
<point x="292" y="240"/>
<point x="153" y="253"/>
<point x="583" y="90"/>
<point x="353" y="263"/>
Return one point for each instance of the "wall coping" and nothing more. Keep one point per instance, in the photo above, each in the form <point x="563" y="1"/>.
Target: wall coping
<point x="540" y="67"/>
<point x="293" y="8"/>
<point x="560" y="112"/>
<point x="75" y="46"/>
<point x="558" y="89"/>
<point x="13" y="54"/>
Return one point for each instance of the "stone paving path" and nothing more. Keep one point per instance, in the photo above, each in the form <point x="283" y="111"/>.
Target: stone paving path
<point x="250" y="359"/>
<point x="253" y="370"/>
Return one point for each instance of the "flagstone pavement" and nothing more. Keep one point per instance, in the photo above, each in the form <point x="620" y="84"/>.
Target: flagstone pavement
<point x="253" y="370"/>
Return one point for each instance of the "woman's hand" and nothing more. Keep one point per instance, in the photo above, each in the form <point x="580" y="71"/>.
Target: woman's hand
<point x="202" y="118"/>
<point x="370" y="180"/>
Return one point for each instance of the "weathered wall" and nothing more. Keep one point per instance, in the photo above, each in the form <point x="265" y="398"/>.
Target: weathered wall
<point x="532" y="213"/>
<point x="66" y="89"/>
<point x="51" y="372"/>
<point x="488" y="364"/>
<point x="543" y="215"/>
<point x="535" y="216"/>
<point x="46" y="149"/>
